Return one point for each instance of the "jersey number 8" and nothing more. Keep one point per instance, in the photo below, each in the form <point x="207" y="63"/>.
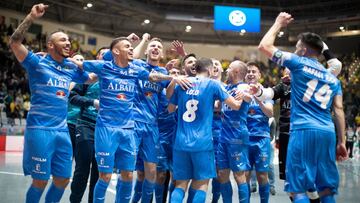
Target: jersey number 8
<point x="191" y="106"/>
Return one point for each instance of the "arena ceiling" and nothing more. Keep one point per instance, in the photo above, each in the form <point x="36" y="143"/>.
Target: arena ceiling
<point x="169" y="18"/>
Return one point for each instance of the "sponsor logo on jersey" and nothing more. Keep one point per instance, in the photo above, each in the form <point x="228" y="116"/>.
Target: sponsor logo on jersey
<point x="60" y="93"/>
<point x="121" y="96"/>
<point x="148" y="94"/>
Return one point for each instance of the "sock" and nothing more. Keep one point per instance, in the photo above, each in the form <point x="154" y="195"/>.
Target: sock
<point x="148" y="190"/>
<point x="137" y="191"/>
<point x="243" y="190"/>
<point x="159" y="192"/>
<point x="215" y="190"/>
<point x="171" y="189"/>
<point x="191" y="194"/>
<point x="123" y="191"/>
<point x="264" y="192"/>
<point x="33" y="194"/>
<point x="199" y="196"/>
<point x="328" y="199"/>
<point x="177" y="195"/>
<point x="54" y="194"/>
<point x="100" y="191"/>
<point x="226" y="192"/>
<point x="301" y="198"/>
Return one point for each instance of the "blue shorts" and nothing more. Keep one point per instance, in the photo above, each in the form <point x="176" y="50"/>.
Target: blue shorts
<point x="233" y="156"/>
<point x="47" y="152"/>
<point x="115" y="147"/>
<point x="311" y="160"/>
<point x="193" y="165"/>
<point x="147" y="141"/>
<point x="165" y="157"/>
<point x="259" y="153"/>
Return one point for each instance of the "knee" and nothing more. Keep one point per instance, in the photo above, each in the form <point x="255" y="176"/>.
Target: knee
<point x="126" y="175"/>
<point x="240" y="177"/>
<point x="160" y="177"/>
<point x="140" y="175"/>
<point x="150" y="171"/>
<point x="106" y="177"/>
<point x="61" y="182"/>
<point x="39" y="183"/>
<point x="223" y="176"/>
<point x="262" y="177"/>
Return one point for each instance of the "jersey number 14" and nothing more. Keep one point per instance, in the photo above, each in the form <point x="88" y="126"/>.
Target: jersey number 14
<point x="322" y="95"/>
<point x="191" y="106"/>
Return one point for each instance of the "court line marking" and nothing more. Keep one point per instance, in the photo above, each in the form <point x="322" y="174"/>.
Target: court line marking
<point x="21" y="174"/>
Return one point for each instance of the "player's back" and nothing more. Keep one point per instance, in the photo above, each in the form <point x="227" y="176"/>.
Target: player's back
<point x="195" y="113"/>
<point x="313" y="89"/>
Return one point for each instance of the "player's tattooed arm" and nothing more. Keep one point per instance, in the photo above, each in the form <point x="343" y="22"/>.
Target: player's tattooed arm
<point x="267" y="108"/>
<point x="17" y="37"/>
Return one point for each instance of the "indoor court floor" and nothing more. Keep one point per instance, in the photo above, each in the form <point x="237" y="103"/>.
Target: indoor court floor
<point x="13" y="184"/>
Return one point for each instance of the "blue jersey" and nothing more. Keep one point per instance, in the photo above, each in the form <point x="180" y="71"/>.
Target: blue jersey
<point x="147" y="99"/>
<point x="313" y="88"/>
<point x="195" y="113"/>
<point x="234" y="121"/>
<point x="167" y="121"/>
<point x="117" y="92"/>
<point x="257" y="121"/>
<point x="49" y="86"/>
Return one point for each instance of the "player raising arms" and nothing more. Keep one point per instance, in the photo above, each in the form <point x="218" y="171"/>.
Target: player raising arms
<point x="47" y="145"/>
<point x="314" y="91"/>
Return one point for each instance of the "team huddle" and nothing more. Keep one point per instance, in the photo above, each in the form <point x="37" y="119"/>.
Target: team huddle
<point x="138" y="116"/>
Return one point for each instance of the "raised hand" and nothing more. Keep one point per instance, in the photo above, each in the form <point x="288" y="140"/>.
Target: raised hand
<point x="38" y="10"/>
<point x="171" y="64"/>
<point x="146" y="37"/>
<point x="133" y="37"/>
<point x="284" y="19"/>
<point x="179" y="47"/>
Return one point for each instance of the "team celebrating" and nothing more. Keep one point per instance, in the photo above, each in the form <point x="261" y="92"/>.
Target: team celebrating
<point x="178" y="123"/>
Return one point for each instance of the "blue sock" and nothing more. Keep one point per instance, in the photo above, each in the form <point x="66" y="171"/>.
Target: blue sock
<point x="137" y="191"/>
<point x="100" y="191"/>
<point x="159" y="192"/>
<point x="264" y="192"/>
<point x="226" y="192"/>
<point x="123" y="191"/>
<point x="33" y="194"/>
<point x="191" y="194"/>
<point x="171" y="189"/>
<point x="301" y="198"/>
<point x="177" y="195"/>
<point x="148" y="190"/>
<point x="54" y="194"/>
<point x="199" y="196"/>
<point x="215" y="190"/>
<point x="243" y="190"/>
<point x="327" y="199"/>
<point x="117" y="195"/>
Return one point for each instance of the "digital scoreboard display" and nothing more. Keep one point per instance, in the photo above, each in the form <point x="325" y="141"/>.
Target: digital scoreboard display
<point x="237" y="18"/>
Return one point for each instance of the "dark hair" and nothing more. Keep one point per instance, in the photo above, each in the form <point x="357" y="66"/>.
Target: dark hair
<point x="252" y="63"/>
<point x="99" y="50"/>
<point x="186" y="57"/>
<point x="49" y="36"/>
<point x="117" y="40"/>
<point x="203" y="65"/>
<point x="312" y="41"/>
